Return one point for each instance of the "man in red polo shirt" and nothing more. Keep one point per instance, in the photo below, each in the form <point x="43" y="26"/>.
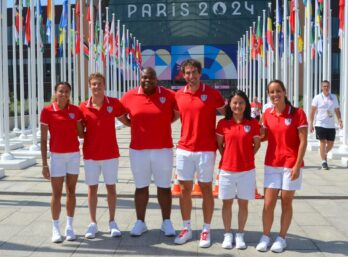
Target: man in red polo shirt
<point x="100" y="149"/>
<point x="151" y="111"/>
<point x="197" y="104"/>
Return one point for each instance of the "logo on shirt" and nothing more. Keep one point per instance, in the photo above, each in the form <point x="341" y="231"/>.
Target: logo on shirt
<point x="162" y="99"/>
<point x="288" y="121"/>
<point x="204" y="98"/>
<point x="72" y="115"/>
<point x="109" y="109"/>
<point x="247" y="128"/>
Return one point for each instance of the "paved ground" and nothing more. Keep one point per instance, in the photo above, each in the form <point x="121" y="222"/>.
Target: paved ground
<point x="319" y="228"/>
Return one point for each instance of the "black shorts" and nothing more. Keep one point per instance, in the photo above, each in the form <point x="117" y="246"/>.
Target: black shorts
<point x="325" y="133"/>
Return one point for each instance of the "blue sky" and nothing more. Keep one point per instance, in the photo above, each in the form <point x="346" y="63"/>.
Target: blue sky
<point x="43" y="2"/>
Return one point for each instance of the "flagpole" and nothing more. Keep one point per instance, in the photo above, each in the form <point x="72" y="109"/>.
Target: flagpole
<point x="118" y="40"/>
<point x="238" y="67"/>
<point x="106" y="54"/>
<point x="124" y="57"/>
<point x="14" y="70"/>
<point x="39" y="49"/>
<point x="277" y="73"/>
<point x="114" y="84"/>
<point x="246" y="65"/>
<point x="344" y="146"/>
<point x="91" y="39"/>
<point x="264" y="67"/>
<point x="53" y="49"/>
<point x="34" y="146"/>
<point x="285" y="54"/>
<point x="316" y="55"/>
<point x="69" y="44"/>
<point x="307" y="94"/>
<point x="75" y="64"/>
<point x="296" y="62"/>
<point x="325" y="40"/>
<point x="5" y="81"/>
<point x="82" y="58"/>
<point x="2" y="136"/>
<point x="21" y="70"/>
<point x="250" y="64"/>
<point x="329" y="45"/>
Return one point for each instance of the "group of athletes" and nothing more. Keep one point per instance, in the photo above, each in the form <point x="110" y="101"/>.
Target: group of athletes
<point x="149" y="110"/>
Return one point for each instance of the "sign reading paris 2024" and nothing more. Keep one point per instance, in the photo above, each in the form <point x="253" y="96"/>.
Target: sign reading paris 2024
<point x="180" y="22"/>
<point x="174" y="30"/>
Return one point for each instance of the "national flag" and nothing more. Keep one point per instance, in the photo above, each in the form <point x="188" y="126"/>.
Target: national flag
<point x="341" y="22"/>
<point x="86" y="49"/>
<point x="63" y="23"/>
<point x="42" y="29"/>
<point x="27" y="26"/>
<point x="78" y="28"/>
<point x="253" y="44"/>
<point x="112" y="38"/>
<point x="49" y="10"/>
<point x="16" y="25"/>
<point x="270" y="29"/>
<point x="106" y="46"/>
<point x="292" y="16"/>
<point x="259" y="47"/>
<point x="279" y="29"/>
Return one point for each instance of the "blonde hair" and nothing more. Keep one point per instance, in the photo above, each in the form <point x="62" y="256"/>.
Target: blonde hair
<point x="96" y="76"/>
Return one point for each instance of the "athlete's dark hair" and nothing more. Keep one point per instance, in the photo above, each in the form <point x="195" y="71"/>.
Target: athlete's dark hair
<point x="281" y="84"/>
<point x="64" y="83"/>
<point x="228" y="110"/>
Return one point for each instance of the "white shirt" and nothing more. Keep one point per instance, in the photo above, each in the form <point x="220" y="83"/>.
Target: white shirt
<point x="326" y="106"/>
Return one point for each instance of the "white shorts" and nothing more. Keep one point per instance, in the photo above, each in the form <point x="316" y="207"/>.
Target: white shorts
<point x="279" y="178"/>
<point x="93" y="169"/>
<point x="187" y="163"/>
<point x="153" y="162"/>
<point x="239" y="185"/>
<point x="65" y="163"/>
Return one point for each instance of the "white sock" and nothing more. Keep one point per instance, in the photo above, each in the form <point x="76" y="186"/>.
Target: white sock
<point x="323" y="161"/>
<point x="187" y="224"/>
<point x="56" y="223"/>
<point x="206" y="227"/>
<point x="69" y="221"/>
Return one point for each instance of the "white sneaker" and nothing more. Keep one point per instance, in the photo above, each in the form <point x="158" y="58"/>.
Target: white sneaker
<point x="228" y="239"/>
<point x="263" y="244"/>
<point x="240" y="243"/>
<point x="139" y="228"/>
<point x="114" y="230"/>
<point x="92" y="229"/>
<point x="279" y="245"/>
<point x="204" y="242"/>
<point x="70" y="234"/>
<point x="184" y="236"/>
<point x="167" y="228"/>
<point x="56" y="236"/>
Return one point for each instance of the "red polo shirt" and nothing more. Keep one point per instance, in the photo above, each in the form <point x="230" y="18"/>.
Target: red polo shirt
<point x="151" y="117"/>
<point x="62" y="127"/>
<point x="100" y="138"/>
<point x="198" y="118"/>
<point x="283" y="140"/>
<point x="238" y="152"/>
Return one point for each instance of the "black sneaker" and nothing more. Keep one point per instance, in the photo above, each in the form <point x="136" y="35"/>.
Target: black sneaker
<point x="324" y="166"/>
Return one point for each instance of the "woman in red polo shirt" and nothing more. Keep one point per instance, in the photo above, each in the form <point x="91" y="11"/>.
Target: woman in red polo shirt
<point x="62" y="120"/>
<point x="286" y="131"/>
<point x="238" y="138"/>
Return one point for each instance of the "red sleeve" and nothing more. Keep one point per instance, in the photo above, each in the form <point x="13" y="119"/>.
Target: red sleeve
<point x="82" y="109"/>
<point x="219" y="100"/>
<point x="176" y="108"/>
<point x="44" y="119"/>
<point x="220" y="127"/>
<point x="119" y="108"/>
<point x="124" y="102"/>
<point x="302" y="119"/>
<point x="264" y="119"/>
<point x="255" y="128"/>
